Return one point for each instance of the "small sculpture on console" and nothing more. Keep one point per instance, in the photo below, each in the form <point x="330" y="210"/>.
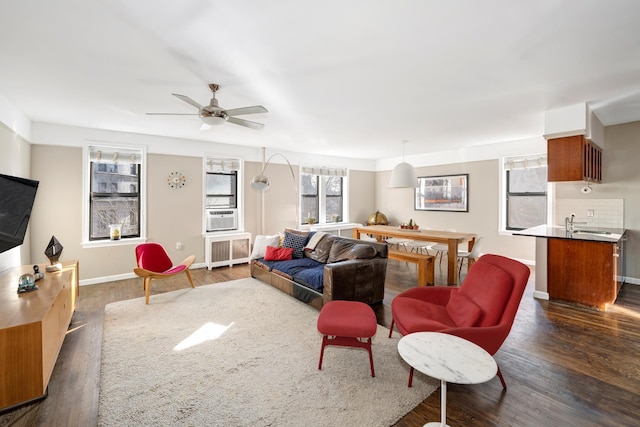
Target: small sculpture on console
<point x="27" y="283"/>
<point x="37" y="274"/>
<point x="53" y="252"/>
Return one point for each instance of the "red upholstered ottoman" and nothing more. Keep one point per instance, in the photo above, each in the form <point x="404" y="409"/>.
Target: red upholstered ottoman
<point x="347" y="324"/>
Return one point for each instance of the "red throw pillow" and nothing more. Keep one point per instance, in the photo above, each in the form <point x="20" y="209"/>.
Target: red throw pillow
<point x="273" y="253"/>
<point x="462" y="310"/>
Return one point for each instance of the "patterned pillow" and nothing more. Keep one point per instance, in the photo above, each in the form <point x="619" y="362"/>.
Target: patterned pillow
<point x="295" y="241"/>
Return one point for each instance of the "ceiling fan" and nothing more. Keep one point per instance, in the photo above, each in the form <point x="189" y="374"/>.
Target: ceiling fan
<point x="214" y="115"/>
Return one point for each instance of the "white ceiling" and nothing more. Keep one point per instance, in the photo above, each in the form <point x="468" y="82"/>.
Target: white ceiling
<point x="351" y="78"/>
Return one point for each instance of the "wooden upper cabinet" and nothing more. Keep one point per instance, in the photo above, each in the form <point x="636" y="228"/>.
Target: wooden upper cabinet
<point x="574" y="158"/>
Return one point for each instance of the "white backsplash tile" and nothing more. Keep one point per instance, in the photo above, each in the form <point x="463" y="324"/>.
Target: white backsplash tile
<point x="607" y="213"/>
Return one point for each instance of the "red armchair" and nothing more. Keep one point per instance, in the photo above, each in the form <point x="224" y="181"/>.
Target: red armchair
<point x="481" y="310"/>
<point x="154" y="263"/>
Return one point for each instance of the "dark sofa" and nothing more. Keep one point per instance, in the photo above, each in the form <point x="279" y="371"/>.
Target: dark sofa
<point x="336" y="268"/>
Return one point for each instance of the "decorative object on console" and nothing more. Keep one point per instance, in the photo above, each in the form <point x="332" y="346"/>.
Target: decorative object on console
<point x="53" y="252"/>
<point x="176" y="180"/>
<point x="37" y="274"/>
<point x="403" y="175"/>
<point x="27" y="283"/>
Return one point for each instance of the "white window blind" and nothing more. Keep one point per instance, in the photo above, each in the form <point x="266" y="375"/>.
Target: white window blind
<point x="323" y="171"/>
<point x="526" y="162"/>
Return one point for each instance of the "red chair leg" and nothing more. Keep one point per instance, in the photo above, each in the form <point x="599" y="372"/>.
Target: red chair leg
<point x="373" y="373"/>
<point x="410" y="377"/>
<point x="504" y="384"/>
<point x="347" y="342"/>
<point x="324" y="343"/>
<point x="391" y="328"/>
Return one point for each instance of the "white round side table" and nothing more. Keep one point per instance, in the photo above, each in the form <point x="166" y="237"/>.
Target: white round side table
<point x="448" y="358"/>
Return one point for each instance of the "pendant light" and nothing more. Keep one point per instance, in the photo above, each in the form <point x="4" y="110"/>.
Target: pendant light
<point x="403" y="175"/>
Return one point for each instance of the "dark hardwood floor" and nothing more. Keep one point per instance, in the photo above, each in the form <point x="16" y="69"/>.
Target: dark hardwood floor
<point x="564" y="366"/>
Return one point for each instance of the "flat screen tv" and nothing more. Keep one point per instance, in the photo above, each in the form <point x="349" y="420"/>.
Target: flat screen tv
<point x="16" y="200"/>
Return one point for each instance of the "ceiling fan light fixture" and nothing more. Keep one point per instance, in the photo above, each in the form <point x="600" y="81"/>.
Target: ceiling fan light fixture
<point x="213" y="120"/>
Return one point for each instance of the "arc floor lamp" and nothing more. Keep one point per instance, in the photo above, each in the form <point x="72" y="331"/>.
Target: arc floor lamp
<point x="261" y="183"/>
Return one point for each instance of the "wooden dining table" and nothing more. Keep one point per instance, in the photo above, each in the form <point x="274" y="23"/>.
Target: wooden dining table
<point x="451" y="238"/>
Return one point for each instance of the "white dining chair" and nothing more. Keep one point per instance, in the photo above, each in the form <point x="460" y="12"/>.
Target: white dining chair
<point x="469" y="255"/>
<point x="397" y="242"/>
<point x="441" y="249"/>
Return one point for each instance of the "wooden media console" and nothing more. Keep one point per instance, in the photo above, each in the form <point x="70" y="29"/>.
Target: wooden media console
<point x="32" y="328"/>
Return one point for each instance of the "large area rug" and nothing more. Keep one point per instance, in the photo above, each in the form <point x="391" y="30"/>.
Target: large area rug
<point x="243" y="353"/>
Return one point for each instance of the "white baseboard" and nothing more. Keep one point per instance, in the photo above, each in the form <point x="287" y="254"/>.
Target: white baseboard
<point x="541" y="295"/>
<point x="632" y="280"/>
<point x="105" y="279"/>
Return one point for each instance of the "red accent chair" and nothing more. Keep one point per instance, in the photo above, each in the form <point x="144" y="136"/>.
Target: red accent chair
<point x="154" y="263"/>
<point x="481" y="310"/>
<point x="345" y="324"/>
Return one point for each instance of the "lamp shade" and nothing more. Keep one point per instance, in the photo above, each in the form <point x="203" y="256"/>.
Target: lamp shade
<point x="213" y="120"/>
<point x="260" y="183"/>
<point x="403" y="176"/>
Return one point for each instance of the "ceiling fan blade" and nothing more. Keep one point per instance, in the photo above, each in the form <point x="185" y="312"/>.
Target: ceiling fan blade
<point x="245" y="123"/>
<point x="188" y="100"/>
<point x="171" y="114"/>
<point x="246" y="110"/>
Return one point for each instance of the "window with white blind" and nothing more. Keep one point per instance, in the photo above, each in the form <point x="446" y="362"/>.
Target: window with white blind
<point x="323" y="194"/>
<point x="114" y="189"/>
<point x="525" y="197"/>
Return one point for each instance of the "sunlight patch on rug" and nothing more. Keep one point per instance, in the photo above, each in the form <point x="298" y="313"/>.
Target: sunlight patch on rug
<point x="248" y="356"/>
<point x="207" y="332"/>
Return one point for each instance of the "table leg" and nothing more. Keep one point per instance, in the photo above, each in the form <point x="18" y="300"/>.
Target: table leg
<point x="452" y="262"/>
<point x="443" y="407"/>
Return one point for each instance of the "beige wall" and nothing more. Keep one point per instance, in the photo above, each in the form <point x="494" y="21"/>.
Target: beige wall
<point x="175" y="215"/>
<point x="621" y="180"/>
<point x="362" y="195"/>
<point x="172" y="215"/>
<point x="482" y="218"/>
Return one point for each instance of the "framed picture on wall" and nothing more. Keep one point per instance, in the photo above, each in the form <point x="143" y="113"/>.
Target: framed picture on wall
<point x="442" y="193"/>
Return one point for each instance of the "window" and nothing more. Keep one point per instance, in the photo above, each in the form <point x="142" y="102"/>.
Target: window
<point x="526" y="192"/>
<point x="114" y="192"/>
<point x="322" y="194"/>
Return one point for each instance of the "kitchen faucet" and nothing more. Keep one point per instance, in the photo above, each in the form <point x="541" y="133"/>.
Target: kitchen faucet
<point x="569" y="223"/>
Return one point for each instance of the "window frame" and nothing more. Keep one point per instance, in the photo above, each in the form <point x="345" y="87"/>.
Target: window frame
<point x="322" y="175"/>
<point x="88" y="149"/>
<point x="504" y="190"/>
<point x="509" y="194"/>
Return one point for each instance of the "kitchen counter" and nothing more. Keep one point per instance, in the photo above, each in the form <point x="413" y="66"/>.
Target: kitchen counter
<point x="584" y="267"/>
<point x="593" y="234"/>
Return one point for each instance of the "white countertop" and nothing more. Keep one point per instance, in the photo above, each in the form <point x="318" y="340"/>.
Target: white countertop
<point x="594" y="234"/>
